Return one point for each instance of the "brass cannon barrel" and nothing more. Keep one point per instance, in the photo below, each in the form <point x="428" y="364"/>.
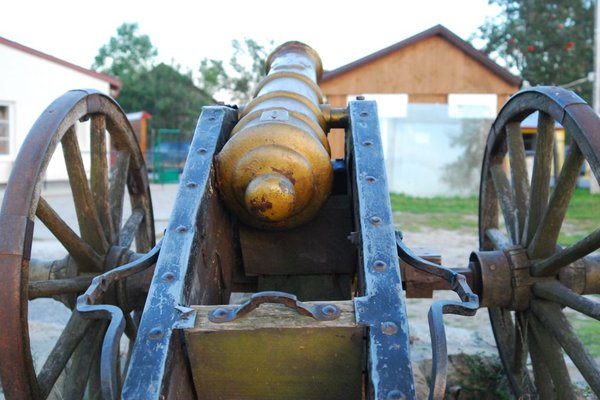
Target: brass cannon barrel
<point x="275" y="170"/>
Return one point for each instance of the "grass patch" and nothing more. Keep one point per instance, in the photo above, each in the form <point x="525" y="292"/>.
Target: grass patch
<point x="425" y="205"/>
<point x="453" y="213"/>
<point x="417" y="213"/>
<point x="588" y="331"/>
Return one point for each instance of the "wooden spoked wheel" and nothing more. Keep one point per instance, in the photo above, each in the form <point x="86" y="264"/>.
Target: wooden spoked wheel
<point x="106" y="230"/>
<point x="522" y="209"/>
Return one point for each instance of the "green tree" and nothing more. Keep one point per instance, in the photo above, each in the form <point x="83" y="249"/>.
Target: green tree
<point x="246" y="68"/>
<point x="550" y="42"/>
<point x="127" y="53"/>
<point x="174" y="100"/>
<point x="162" y="90"/>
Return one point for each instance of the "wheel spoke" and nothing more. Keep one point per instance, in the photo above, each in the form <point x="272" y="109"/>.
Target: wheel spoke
<point x="521" y="350"/>
<point x="519" y="175"/>
<point x="552" y="317"/>
<point x="503" y="190"/>
<point x="89" y="223"/>
<point x="554" y="360"/>
<point x="558" y="293"/>
<point x="131" y="228"/>
<point x="541" y="373"/>
<point x="83" y="253"/>
<point x="540" y="180"/>
<point x="99" y="174"/>
<point x="117" y="187"/>
<point x="499" y="240"/>
<point x="544" y="241"/>
<point x="58" y="287"/>
<point x="68" y="341"/>
<point x="86" y="354"/>
<point x="582" y="248"/>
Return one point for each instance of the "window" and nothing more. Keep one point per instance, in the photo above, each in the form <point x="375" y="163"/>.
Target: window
<point x="4" y="130"/>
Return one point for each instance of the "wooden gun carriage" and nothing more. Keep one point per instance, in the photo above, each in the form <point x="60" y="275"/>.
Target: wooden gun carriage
<point x="262" y="210"/>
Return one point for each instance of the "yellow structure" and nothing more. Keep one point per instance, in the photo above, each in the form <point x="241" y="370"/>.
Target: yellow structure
<point x="275" y="170"/>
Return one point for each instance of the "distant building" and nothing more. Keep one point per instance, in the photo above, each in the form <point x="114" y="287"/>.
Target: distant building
<point x="436" y="95"/>
<point x="29" y="81"/>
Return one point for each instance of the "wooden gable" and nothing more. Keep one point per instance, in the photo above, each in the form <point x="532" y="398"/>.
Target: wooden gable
<point x="427" y="67"/>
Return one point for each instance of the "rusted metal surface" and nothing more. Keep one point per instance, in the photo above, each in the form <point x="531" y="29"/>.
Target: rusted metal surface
<point x="380" y="305"/>
<point x="320" y="312"/>
<point x="529" y="265"/>
<point x="195" y="266"/>
<point x="275" y="170"/>
<point x="20" y="205"/>
<point x="90" y="307"/>
<point x="467" y="307"/>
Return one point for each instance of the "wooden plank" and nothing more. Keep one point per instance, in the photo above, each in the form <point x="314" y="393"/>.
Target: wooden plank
<point x="275" y="353"/>
<point x="410" y="70"/>
<point x="320" y="246"/>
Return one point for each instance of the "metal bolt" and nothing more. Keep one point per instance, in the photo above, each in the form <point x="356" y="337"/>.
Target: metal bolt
<point x="360" y="97"/>
<point x="367" y="143"/>
<point x="492" y="267"/>
<point x="191" y="185"/>
<point x="371" y="179"/>
<point x="389" y="328"/>
<point x="201" y="150"/>
<point x="329" y="309"/>
<point x="211" y="118"/>
<point x="218" y="314"/>
<point x="181" y="229"/>
<point x="168" y="276"/>
<point x="375" y="220"/>
<point x="395" y="395"/>
<point x="155" y="333"/>
<point x="364" y="114"/>
<point x="379" y="266"/>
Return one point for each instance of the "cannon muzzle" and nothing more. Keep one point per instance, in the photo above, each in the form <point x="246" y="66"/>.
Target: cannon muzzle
<point x="275" y="170"/>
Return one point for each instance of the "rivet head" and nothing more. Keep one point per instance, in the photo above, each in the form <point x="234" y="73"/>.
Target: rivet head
<point x="395" y="395"/>
<point x="191" y="185"/>
<point x="329" y="309"/>
<point x="181" y="229"/>
<point x="201" y="150"/>
<point x="211" y="118"/>
<point x="379" y="266"/>
<point x="389" y="328"/>
<point x="367" y="143"/>
<point x="371" y="179"/>
<point x="492" y="267"/>
<point x="364" y="114"/>
<point x="375" y="220"/>
<point x="155" y="333"/>
<point x="168" y="276"/>
<point x="219" y="314"/>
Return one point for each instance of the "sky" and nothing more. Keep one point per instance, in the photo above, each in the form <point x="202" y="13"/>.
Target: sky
<point x="185" y="32"/>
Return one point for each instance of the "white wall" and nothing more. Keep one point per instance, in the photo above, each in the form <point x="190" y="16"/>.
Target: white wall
<point x="434" y="149"/>
<point x="29" y="84"/>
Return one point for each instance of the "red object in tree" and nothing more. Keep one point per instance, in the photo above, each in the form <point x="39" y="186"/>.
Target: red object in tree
<point x="530" y="48"/>
<point x="569" y="45"/>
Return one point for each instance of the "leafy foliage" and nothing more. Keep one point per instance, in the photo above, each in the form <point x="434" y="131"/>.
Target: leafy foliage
<point x="169" y="95"/>
<point x="548" y="42"/>
<point x="126" y="54"/>
<point x="239" y="79"/>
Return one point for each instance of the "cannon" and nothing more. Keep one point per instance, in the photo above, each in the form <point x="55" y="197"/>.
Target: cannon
<point x="262" y="210"/>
